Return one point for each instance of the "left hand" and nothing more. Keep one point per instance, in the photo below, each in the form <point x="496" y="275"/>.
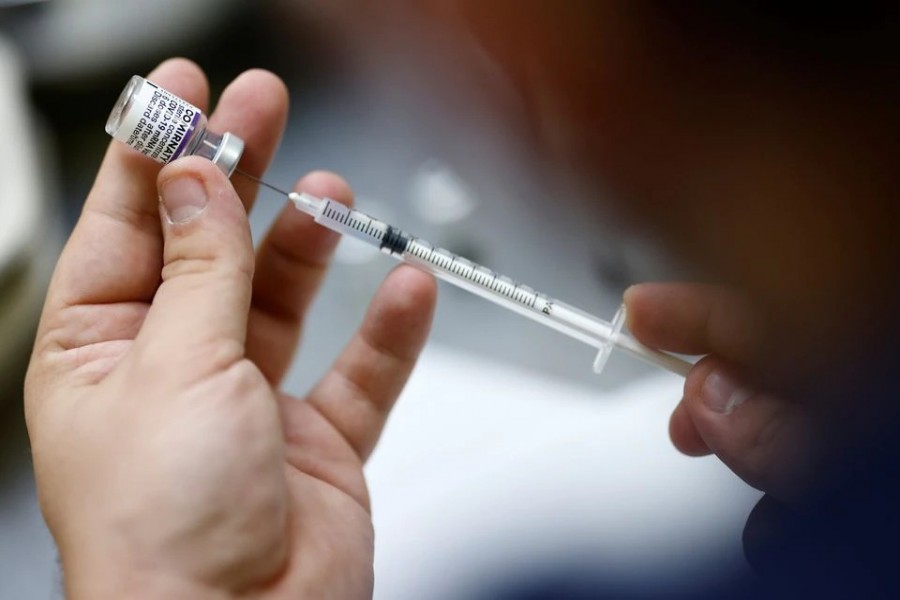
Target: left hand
<point x="168" y="462"/>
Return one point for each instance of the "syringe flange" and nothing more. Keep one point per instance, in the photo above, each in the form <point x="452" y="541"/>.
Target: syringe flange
<point x="618" y="321"/>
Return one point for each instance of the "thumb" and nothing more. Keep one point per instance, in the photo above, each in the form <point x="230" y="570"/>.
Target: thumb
<point x="199" y="313"/>
<point x="764" y="439"/>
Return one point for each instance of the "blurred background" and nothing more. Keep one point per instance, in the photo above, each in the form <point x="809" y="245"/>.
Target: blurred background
<point x="433" y="138"/>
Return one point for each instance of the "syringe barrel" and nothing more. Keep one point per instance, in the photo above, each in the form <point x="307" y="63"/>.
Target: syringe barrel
<point x="454" y="269"/>
<point x="479" y="280"/>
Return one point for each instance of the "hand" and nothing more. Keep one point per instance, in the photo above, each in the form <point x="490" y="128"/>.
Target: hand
<point x="766" y="440"/>
<point x="168" y="463"/>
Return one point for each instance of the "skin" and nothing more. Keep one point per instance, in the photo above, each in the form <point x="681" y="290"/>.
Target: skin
<point x="765" y="440"/>
<point x="168" y="462"/>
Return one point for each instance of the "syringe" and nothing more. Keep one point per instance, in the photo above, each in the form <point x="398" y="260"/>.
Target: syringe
<point x="164" y="127"/>
<point x="472" y="277"/>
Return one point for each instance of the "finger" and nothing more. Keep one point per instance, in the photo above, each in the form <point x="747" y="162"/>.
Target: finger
<point x="253" y="107"/>
<point x="763" y="439"/>
<point x="684" y="435"/>
<point x="117" y="240"/>
<point x="357" y="394"/>
<point x="693" y="319"/>
<point x="290" y="266"/>
<point x="199" y="314"/>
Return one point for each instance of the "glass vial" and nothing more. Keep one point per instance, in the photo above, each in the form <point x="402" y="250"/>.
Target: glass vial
<point x="164" y="127"/>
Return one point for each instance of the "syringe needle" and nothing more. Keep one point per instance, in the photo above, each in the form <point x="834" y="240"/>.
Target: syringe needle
<point x="263" y="183"/>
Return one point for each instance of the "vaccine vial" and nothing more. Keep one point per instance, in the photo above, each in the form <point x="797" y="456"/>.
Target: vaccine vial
<point x="162" y="126"/>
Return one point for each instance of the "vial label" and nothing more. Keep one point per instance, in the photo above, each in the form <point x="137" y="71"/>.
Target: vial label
<point x="158" y="124"/>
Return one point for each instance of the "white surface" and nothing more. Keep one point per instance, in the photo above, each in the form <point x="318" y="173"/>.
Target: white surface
<point x="485" y="471"/>
<point x="20" y="202"/>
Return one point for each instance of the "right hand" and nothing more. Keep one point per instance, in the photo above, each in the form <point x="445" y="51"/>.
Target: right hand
<point x="765" y="439"/>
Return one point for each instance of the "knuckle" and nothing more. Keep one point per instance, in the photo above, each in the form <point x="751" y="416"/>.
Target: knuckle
<point x="759" y="453"/>
<point x="772" y="453"/>
<point x="244" y="377"/>
<point x="238" y="266"/>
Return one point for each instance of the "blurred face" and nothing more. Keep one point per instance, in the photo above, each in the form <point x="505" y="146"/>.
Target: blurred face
<point x="763" y="169"/>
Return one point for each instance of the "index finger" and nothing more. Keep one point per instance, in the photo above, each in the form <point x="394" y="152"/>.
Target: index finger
<point x="253" y="107"/>
<point x="693" y="318"/>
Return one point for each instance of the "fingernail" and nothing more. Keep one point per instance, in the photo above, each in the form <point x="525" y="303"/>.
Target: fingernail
<point x="183" y="199"/>
<point x="721" y="394"/>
